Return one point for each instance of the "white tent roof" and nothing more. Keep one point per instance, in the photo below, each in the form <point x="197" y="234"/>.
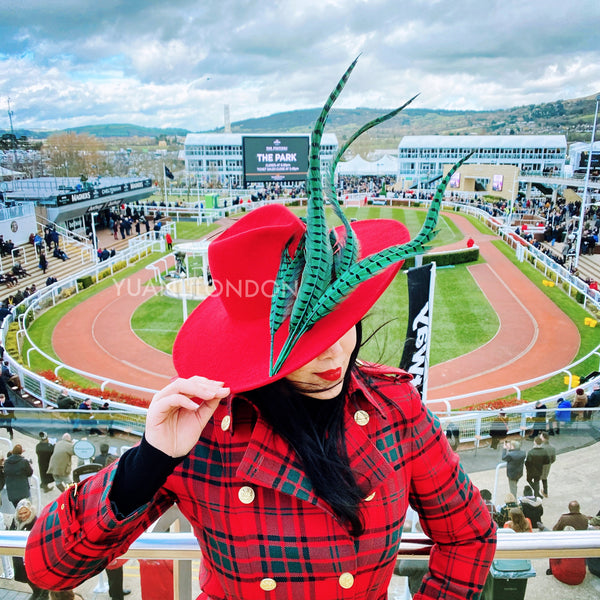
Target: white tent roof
<point x="387" y="165"/>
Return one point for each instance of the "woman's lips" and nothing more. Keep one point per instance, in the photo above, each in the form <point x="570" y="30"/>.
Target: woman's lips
<point x="331" y="375"/>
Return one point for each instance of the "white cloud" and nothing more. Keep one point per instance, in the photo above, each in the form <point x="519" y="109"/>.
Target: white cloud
<point x="177" y="64"/>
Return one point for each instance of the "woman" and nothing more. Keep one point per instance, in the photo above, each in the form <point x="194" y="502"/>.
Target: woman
<point x="294" y="462"/>
<point x="24" y="519"/>
<point x="518" y="521"/>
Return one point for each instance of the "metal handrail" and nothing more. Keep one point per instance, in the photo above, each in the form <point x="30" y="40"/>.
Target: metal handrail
<point x="184" y="546"/>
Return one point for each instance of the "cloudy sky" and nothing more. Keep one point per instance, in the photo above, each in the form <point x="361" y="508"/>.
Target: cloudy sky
<point x="178" y="62"/>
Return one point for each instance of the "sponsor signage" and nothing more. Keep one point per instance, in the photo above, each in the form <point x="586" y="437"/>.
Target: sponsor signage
<point x="95" y="193"/>
<point x="275" y="158"/>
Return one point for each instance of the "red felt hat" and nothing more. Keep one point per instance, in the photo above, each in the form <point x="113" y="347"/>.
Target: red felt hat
<point x="227" y="338"/>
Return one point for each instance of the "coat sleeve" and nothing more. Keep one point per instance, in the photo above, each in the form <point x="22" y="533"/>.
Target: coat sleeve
<point x="451" y="513"/>
<point x="78" y="535"/>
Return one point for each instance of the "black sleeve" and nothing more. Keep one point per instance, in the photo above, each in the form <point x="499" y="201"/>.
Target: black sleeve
<point x="141" y="472"/>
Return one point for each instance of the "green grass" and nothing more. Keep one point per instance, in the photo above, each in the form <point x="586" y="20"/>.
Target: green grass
<point x="158" y="320"/>
<point x="412" y="218"/>
<point x="189" y="230"/>
<point x="41" y="329"/>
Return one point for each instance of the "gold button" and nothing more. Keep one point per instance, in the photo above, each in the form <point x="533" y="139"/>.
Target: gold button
<point x="346" y="580"/>
<point x="370" y="497"/>
<point x="361" y="417"/>
<point x="267" y="584"/>
<point x="226" y="422"/>
<point x="246" y="495"/>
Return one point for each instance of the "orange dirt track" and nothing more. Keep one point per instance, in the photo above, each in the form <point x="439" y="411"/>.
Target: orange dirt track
<point x="534" y="336"/>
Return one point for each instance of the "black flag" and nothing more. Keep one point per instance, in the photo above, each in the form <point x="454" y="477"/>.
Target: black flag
<point x="415" y="357"/>
<point x="168" y="173"/>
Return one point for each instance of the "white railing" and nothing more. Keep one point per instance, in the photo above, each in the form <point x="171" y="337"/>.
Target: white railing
<point x="182" y="546"/>
<point x="473" y="424"/>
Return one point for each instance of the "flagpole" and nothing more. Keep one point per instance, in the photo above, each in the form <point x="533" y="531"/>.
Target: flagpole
<point x="165" y="182"/>
<point x="427" y="352"/>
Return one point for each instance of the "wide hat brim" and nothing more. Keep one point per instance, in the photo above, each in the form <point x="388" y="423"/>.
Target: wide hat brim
<point x="223" y="347"/>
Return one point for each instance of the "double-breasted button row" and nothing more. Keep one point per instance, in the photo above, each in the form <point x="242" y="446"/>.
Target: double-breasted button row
<point x="346" y="581"/>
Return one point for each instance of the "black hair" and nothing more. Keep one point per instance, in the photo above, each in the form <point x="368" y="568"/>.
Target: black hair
<point x="315" y="430"/>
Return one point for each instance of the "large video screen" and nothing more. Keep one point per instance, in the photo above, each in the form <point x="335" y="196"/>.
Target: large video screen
<point x="271" y="158"/>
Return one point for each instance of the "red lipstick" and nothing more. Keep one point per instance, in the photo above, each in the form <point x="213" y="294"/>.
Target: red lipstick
<point x="331" y="375"/>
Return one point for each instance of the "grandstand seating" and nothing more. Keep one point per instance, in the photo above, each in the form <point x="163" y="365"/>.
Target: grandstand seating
<point x="78" y="261"/>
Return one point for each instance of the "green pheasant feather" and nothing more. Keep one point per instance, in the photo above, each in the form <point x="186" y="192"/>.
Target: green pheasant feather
<point x="371" y="266"/>
<point x="348" y="247"/>
<point x="319" y="256"/>
<point x="328" y="264"/>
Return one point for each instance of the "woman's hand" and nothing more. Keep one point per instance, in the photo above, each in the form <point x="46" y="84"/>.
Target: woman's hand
<point x="174" y="421"/>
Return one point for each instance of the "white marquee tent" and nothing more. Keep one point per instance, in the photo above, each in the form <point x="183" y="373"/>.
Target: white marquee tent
<point x="387" y="165"/>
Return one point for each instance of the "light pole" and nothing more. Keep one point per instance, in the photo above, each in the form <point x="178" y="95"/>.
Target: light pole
<point x="585" y="190"/>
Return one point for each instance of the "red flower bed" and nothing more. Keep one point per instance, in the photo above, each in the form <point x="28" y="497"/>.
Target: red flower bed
<point x="112" y="395"/>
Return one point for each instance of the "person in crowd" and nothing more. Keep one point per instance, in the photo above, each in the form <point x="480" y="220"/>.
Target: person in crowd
<point x="551" y="451"/>
<point x="296" y="449"/>
<point x="17" y="471"/>
<point x="65" y="401"/>
<point x="515" y="459"/>
<point x="593" y="401"/>
<point x="518" y="522"/>
<point x="10" y="378"/>
<point x="43" y="264"/>
<point x="105" y="458"/>
<point x="498" y="429"/>
<point x="503" y="513"/>
<point x="562" y="414"/>
<point x="44" y="450"/>
<point x="539" y="419"/>
<point x="532" y="507"/>
<point x="574" y="518"/>
<point x="59" y="253"/>
<point x="570" y="570"/>
<point x="7" y="413"/>
<point x="23" y="520"/>
<point x="537" y="457"/>
<point x="91" y="422"/>
<point x="579" y="401"/>
<point x="60" y="462"/>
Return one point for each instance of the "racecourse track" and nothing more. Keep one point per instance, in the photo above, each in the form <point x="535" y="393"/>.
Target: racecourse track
<point x="534" y="337"/>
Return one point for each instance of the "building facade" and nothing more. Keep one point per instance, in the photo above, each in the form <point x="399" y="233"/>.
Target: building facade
<point x="421" y="158"/>
<point x="216" y="159"/>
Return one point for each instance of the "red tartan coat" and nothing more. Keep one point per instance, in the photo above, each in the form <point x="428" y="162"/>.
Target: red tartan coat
<point x="263" y="532"/>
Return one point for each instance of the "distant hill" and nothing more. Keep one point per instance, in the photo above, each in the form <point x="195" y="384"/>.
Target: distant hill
<point x="124" y="130"/>
<point x="572" y="118"/>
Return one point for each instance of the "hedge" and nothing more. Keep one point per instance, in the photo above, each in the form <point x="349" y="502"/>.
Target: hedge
<point x="446" y="259"/>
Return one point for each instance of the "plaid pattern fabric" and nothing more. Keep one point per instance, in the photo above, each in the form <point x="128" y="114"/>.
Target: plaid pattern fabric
<point x="263" y="532"/>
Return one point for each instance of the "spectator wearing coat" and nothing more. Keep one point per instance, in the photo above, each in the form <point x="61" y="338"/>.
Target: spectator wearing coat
<point x="60" y="462"/>
<point x="17" y="471"/>
<point x="515" y="459"/>
<point x="537" y="457"/>
<point x="579" y="401"/>
<point x="44" y="450"/>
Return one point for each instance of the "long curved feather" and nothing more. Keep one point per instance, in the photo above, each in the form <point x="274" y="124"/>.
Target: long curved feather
<point x="372" y="265"/>
<point x="318" y="253"/>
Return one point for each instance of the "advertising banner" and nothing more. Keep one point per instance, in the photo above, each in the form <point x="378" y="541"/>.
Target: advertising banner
<point x="415" y="357"/>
